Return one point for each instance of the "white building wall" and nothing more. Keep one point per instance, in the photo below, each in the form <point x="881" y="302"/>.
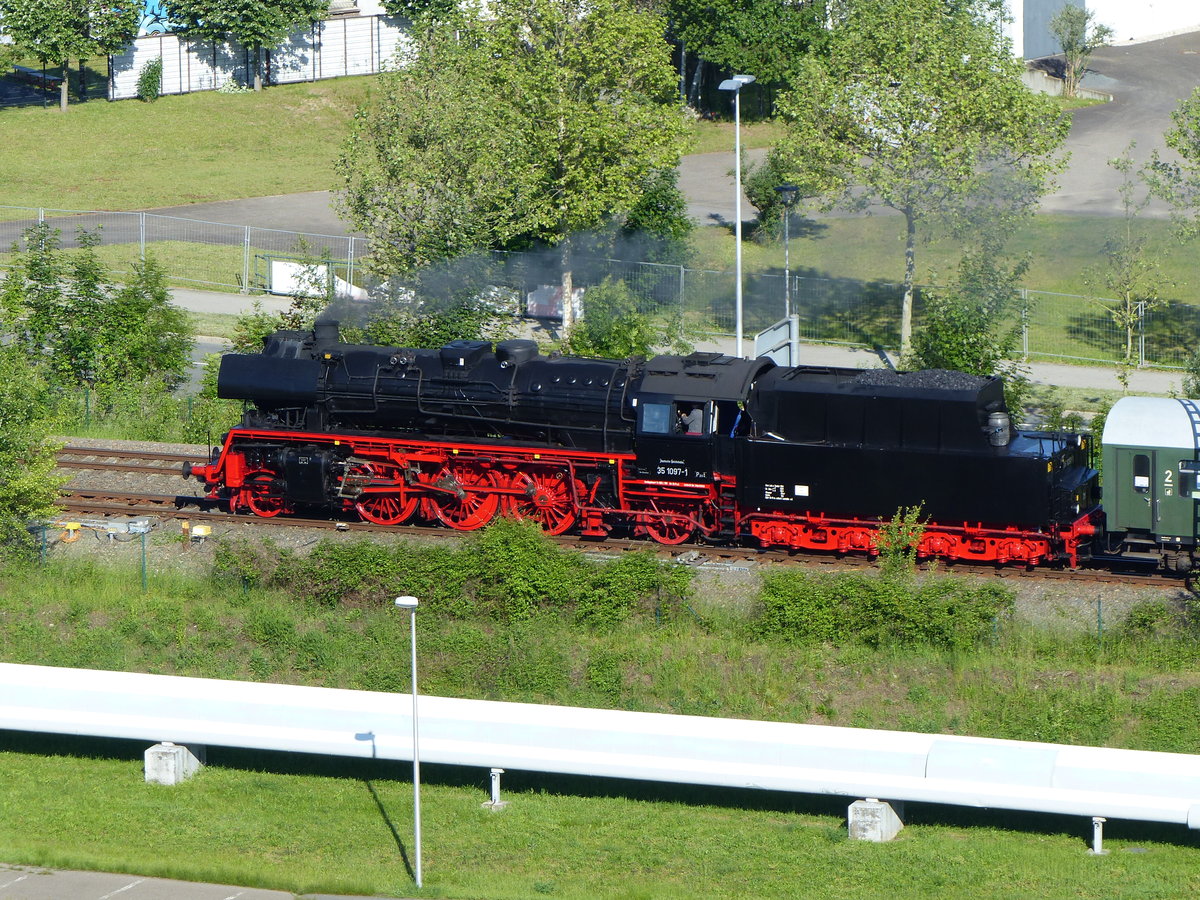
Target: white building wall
<point x="346" y="45"/>
<point x="1144" y="20"/>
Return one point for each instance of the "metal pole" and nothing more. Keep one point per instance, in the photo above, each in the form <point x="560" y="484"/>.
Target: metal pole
<point x="737" y="225"/>
<point x="735" y="84"/>
<point x="246" y="261"/>
<point x="787" y="266"/>
<point x="416" y="753"/>
<point x="410" y="603"/>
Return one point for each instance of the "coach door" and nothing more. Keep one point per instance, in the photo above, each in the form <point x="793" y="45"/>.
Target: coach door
<point x="1138" y="489"/>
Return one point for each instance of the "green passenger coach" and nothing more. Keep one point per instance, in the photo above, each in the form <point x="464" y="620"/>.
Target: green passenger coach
<point x="1151" y="470"/>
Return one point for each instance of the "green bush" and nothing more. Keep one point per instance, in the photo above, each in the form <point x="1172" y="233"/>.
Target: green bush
<point x="943" y="612"/>
<point x="614" y="590"/>
<point x="250" y="563"/>
<point x="515" y="570"/>
<point x="362" y="572"/>
<point x="149" y="83"/>
<point x="508" y="572"/>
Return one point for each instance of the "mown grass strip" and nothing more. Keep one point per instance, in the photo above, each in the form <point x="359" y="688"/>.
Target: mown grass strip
<point x="253" y="825"/>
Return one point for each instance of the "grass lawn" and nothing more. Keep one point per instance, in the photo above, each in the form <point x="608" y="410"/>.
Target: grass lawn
<point x="1066" y="269"/>
<point x="180" y="149"/>
<point x="213" y="324"/>
<point x="353" y="834"/>
<point x="205" y="146"/>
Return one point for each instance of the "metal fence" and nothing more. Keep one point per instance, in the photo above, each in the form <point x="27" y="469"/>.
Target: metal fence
<point x="831" y="310"/>
<point x="346" y="45"/>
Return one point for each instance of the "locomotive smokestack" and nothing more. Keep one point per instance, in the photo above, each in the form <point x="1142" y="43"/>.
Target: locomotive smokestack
<point x="325" y="331"/>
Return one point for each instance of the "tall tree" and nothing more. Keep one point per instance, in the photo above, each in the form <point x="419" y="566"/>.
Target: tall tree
<point x="56" y="31"/>
<point x="1178" y="180"/>
<point x="1131" y="269"/>
<point x="521" y="125"/>
<point x="66" y="315"/>
<point x="917" y="107"/>
<point x="29" y="488"/>
<point x="254" y="25"/>
<point x="762" y="37"/>
<point x="1078" y="34"/>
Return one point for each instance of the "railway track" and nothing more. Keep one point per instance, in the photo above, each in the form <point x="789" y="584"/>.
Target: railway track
<point x="83" y="501"/>
<point x="147" y="462"/>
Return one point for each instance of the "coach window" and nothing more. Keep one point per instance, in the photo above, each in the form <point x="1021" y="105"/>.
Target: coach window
<point x="1141" y="473"/>
<point x="656" y="418"/>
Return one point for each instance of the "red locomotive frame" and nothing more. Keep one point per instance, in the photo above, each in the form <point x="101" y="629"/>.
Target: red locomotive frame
<point x="390" y="481"/>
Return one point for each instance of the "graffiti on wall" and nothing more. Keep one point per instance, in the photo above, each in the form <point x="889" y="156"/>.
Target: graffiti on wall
<point x="154" y="18"/>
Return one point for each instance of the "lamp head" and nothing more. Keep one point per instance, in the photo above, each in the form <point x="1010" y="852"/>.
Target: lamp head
<point x="735" y="83"/>
<point x="407" y="602"/>
<point x="788" y="194"/>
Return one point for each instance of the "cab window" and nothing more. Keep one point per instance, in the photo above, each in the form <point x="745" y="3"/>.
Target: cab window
<point x="656" y="418"/>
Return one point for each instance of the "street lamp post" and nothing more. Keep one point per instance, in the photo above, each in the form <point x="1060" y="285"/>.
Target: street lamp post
<point x="788" y="195"/>
<point x="410" y="603"/>
<point x="735" y="84"/>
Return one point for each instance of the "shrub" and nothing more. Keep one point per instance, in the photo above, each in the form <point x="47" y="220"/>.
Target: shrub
<point x="508" y="572"/>
<point x="515" y="570"/>
<point x="942" y="612"/>
<point x="251" y="563"/>
<point x="613" y="590"/>
<point x="898" y="541"/>
<point x="149" y="83"/>
<point x="357" y="571"/>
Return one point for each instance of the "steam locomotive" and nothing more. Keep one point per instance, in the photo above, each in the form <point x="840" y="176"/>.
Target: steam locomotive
<point x="674" y="448"/>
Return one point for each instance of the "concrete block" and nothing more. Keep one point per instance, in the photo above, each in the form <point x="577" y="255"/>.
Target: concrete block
<point x="169" y="763"/>
<point x="875" y="820"/>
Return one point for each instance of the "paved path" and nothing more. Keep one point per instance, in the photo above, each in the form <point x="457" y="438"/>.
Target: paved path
<point x="36" y="883"/>
<point x="1147" y="82"/>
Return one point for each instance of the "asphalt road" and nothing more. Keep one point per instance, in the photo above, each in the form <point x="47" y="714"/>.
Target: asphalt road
<point x="36" y="883"/>
<point x="1147" y="81"/>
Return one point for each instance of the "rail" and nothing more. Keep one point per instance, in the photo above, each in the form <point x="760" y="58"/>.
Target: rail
<point x="850" y="762"/>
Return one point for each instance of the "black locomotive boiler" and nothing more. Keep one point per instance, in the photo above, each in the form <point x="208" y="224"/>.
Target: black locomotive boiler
<point x="672" y="448"/>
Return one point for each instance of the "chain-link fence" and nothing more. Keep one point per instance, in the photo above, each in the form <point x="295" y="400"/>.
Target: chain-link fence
<point x="192" y="251"/>
<point x="831" y="310"/>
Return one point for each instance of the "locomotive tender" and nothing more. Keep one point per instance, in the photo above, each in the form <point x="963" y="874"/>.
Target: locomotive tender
<point x="804" y="457"/>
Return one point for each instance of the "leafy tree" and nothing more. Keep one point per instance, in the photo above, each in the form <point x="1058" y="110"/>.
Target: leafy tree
<point x="252" y="24"/>
<point x="424" y="10"/>
<point x="144" y="334"/>
<point x="973" y="323"/>
<point x="28" y="485"/>
<point x="970" y="327"/>
<point x="66" y="316"/>
<point x="405" y="321"/>
<point x="1178" y="182"/>
<point x="523" y="126"/>
<point x="659" y="222"/>
<point x="56" y="30"/>
<point x="916" y="107"/>
<point x="763" y="37"/>
<point x="614" y="327"/>
<point x="1078" y="34"/>
<point x="1131" y="269"/>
